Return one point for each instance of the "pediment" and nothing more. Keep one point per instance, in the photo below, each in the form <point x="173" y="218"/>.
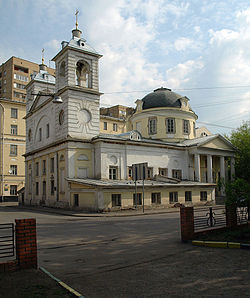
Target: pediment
<point x="218" y="142"/>
<point x="39" y="101"/>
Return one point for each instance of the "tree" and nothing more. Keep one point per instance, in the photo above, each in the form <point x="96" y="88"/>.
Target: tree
<point x="238" y="191"/>
<point x="240" y="138"/>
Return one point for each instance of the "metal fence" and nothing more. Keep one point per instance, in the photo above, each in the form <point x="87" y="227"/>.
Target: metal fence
<point x="206" y="218"/>
<point x="242" y="215"/>
<point x="7" y="240"/>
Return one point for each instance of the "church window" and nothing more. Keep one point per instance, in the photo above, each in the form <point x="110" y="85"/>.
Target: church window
<point x="130" y="173"/>
<point x="37" y="188"/>
<point x="61" y="117"/>
<point x="176" y="174"/>
<point x="52" y="165"/>
<point x="13" y="150"/>
<point x="13" y="190"/>
<point x="116" y="200"/>
<point x="152" y="126"/>
<point x="40" y="134"/>
<point x="105" y="125"/>
<point x="37" y="168"/>
<point x="186" y="126"/>
<point x="47" y="130"/>
<point x="113" y="173"/>
<point x="82" y="74"/>
<point x="170" y="123"/>
<point x="52" y="186"/>
<point x="62" y="69"/>
<point x="44" y="167"/>
<point x="114" y="126"/>
<point x="29" y="135"/>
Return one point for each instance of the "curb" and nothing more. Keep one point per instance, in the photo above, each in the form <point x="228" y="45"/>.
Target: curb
<point x="84" y="215"/>
<point x="62" y="284"/>
<point x="221" y="244"/>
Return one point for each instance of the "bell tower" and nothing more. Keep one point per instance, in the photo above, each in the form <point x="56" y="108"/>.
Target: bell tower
<point x="77" y="82"/>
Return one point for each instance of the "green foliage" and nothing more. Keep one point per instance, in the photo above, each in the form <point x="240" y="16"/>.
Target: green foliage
<point x="238" y="193"/>
<point x="240" y="138"/>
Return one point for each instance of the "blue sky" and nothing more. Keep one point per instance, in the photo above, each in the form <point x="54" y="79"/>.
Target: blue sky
<point x="197" y="48"/>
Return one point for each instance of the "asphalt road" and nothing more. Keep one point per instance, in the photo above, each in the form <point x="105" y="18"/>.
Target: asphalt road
<point x="138" y="256"/>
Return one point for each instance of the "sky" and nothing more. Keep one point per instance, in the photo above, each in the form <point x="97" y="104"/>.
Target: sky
<point x="197" y="48"/>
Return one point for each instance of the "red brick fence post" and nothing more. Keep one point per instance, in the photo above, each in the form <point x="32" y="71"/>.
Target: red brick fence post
<point x="26" y="246"/>
<point x="187" y="223"/>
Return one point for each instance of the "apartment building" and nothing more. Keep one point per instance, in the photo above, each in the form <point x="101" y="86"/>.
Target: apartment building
<point x="15" y="74"/>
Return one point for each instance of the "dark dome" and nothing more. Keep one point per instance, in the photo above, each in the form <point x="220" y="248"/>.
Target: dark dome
<point x="161" y="97"/>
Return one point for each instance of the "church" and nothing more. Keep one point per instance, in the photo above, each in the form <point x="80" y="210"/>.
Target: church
<point x="72" y="162"/>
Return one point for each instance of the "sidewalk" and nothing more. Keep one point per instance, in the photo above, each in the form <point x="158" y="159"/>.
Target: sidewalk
<point x="78" y="213"/>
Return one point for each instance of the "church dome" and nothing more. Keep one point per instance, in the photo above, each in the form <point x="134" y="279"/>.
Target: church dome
<point x="161" y="97"/>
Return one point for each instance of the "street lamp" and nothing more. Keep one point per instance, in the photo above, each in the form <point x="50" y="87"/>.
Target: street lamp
<point x="2" y="137"/>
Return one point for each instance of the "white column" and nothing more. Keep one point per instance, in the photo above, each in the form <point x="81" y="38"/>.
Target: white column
<point x="232" y="171"/>
<point x="209" y="168"/>
<point x="197" y="167"/>
<point x="222" y="168"/>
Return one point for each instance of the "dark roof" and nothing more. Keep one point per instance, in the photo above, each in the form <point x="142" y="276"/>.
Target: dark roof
<point x="161" y="97"/>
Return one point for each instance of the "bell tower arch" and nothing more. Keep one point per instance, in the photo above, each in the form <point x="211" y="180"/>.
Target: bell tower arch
<point x="77" y="82"/>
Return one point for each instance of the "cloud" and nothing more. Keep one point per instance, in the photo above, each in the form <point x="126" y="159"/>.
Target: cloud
<point x="53" y="44"/>
<point x="183" y="43"/>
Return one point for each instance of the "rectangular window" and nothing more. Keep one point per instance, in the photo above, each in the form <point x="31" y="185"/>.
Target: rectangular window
<point x="114" y="126"/>
<point x="37" y="168"/>
<point x="163" y="171"/>
<point x="173" y="197"/>
<point x="37" y="188"/>
<point x="116" y="200"/>
<point x="13" y="129"/>
<point x="203" y="196"/>
<point x="44" y="167"/>
<point x="194" y="129"/>
<point x="137" y="198"/>
<point x="188" y="196"/>
<point x="152" y="126"/>
<point x="13" y="113"/>
<point x="170" y="125"/>
<point x="13" y="150"/>
<point x="47" y="130"/>
<point x="40" y="134"/>
<point x="105" y="125"/>
<point x="185" y="126"/>
<point x="52" y="187"/>
<point x="177" y="174"/>
<point x="76" y="199"/>
<point x="156" y="198"/>
<point x="44" y="188"/>
<point x="52" y="165"/>
<point x="13" y="170"/>
<point x="150" y="173"/>
<point x="113" y="173"/>
<point x="13" y="190"/>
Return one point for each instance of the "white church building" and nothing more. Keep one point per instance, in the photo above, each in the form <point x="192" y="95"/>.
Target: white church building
<point x="71" y="164"/>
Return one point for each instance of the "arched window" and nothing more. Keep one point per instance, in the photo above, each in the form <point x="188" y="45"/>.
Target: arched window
<point x="62" y="69"/>
<point x="83" y="74"/>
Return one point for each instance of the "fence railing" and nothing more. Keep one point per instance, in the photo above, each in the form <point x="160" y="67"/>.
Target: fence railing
<point x="7" y="240"/>
<point x="209" y="217"/>
<point x="242" y="215"/>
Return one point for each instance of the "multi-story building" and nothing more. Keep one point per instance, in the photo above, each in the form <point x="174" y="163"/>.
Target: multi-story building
<point x="71" y="163"/>
<point x="15" y="74"/>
